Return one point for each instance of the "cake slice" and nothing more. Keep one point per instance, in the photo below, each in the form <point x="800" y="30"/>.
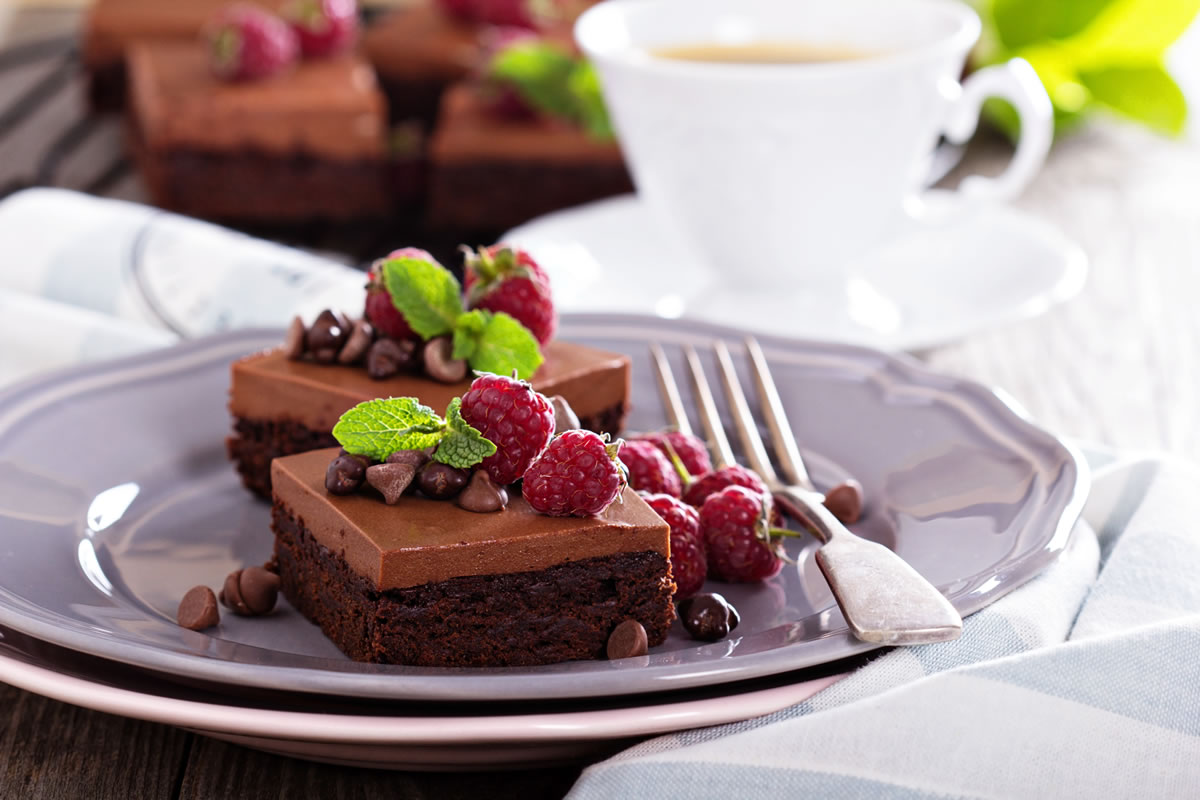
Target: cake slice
<point x="281" y="406"/>
<point x="427" y="583"/>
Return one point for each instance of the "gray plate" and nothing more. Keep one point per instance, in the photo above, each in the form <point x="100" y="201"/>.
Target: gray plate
<point x="115" y="497"/>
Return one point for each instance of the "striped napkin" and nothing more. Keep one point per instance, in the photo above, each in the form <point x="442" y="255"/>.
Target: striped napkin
<point x="1083" y="683"/>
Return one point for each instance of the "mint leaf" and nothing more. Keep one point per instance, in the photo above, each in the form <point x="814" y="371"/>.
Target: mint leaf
<point x="505" y="345"/>
<point x="1025" y="22"/>
<point x="378" y="428"/>
<point x="1144" y="93"/>
<point x="468" y="329"/>
<point x="591" y="113"/>
<point x="462" y="446"/>
<point x="539" y="72"/>
<point x="426" y="294"/>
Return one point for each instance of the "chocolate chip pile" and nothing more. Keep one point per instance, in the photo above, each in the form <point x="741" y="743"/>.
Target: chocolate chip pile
<point x="249" y="592"/>
<point x="335" y="338"/>
<point x="409" y="471"/>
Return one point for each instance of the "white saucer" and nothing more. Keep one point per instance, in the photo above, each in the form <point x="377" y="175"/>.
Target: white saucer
<point x="936" y="283"/>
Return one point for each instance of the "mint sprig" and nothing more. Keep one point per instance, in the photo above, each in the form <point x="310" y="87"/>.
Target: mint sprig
<point x="425" y="292"/>
<point x="378" y="428"/>
<point x="496" y="343"/>
<point x="554" y="82"/>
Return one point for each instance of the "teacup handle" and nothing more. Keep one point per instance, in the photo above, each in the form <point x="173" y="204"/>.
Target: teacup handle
<point x="1016" y="82"/>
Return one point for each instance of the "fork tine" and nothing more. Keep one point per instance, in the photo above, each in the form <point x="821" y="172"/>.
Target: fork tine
<point x="676" y="415"/>
<point x="787" y="453"/>
<point x="747" y="429"/>
<point x="718" y="445"/>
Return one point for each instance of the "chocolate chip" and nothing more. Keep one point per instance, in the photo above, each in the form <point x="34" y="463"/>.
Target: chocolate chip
<point x="344" y="475"/>
<point x="440" y="363"/>
<point x="361" y="336"/>
<point x="250" y="592"/>
<point x="391" y="480"/>
<point x="293" y="342"/>
<point x="627" y="640"/>
<point x="416" y="458"/>
<point x="708" y="617"/>
<point x="565" y="418"/>
<point x="198" y="609"/>
<point x="366" y="460"/>
<point x="482" y="495"/>
<point x="259" y="590"/>
<point x="387" y="357"/>
<point x="326" y="333"/>
<point x="441" y="481"/>
<point x="845" y="501"/>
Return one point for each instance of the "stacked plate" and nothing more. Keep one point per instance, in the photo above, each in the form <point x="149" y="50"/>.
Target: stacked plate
<point x="116" y="497"/>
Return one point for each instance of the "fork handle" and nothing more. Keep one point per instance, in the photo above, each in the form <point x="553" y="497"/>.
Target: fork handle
<point x="884" y="600"/>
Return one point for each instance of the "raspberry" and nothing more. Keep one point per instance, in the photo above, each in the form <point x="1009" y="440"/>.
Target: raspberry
<point x="711" y="483"/>
<point x="324" y="27"/>
<point x="379" y="309"/>
<point x="689" y="561"/>
<point x="577" y="476"/>
<point x="518" y="420"/>
<point x="649" y="469"/>
<point x="500" y="278"/>
<point x="248" y="43"/>
<point x="690" y="449"/>
<point x="490" y="12"/>
<point x="740" y="545"/>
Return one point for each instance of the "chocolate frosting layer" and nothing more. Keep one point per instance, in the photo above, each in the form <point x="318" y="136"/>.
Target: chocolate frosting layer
<point x="419" y="541"/>
<point x="329" y="107"/>
<point x="268" y="386"/>
<point x="467" y="131"/>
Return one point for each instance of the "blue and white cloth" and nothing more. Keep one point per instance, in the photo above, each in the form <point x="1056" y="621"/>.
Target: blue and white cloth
<point x="1084" y="683"/>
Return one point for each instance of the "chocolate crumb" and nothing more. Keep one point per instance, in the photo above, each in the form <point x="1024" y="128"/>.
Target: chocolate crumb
<point x="198" y="609"/>
<point x="482" y="495"/>
<point x="627" y="640"/>
<point x="565" y="418"/>
<point x="293" y="342"/>
<point x="361" y="336"/>
<point x="845" y="501"/>
<point x="708" y="617"/>
<point x="391" y="480"/>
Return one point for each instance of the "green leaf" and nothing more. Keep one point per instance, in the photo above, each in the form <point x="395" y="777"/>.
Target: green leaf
<point x="505" y="345"/>
<point x="378" y="428"/>
<point x="539" y="71"/>
<point x="1133" y="31"/>
<point x="584" y="84"/>
<point x="1020" y="23"/>
<point x="426" y="294"/>
<point x="462" y="446"/>
<point x="467" y="331"/>
<point x="1146" y="94"/>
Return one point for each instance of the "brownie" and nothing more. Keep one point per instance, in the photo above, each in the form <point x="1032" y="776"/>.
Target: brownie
<point x="280" y="406"/>
<point x="488" y="171"/>
<point x="308" y="144"/>
<point x="111" y="26"/>
<point x="417" y="52"/>
<point x="426" y="583"/>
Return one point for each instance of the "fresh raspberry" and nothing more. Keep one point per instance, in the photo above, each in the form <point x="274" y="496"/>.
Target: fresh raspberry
<point x="518" y="420"/>
<point x="578" y="475"/>
<point x="379" y="310"/>
<point x="501" y="278"/>
<point x="689" y="561"/>
<point x="711" y="483"/>
<point x="459" y="9"/>
<point x="501" y="97"/>
<point x="649" y="469"/>
<point x="491" y="12"/>
<point x="738" y="536"/>
<point x="324" y="27"/>
<point x="248" y="43"/>
<point x="690" y="449"/>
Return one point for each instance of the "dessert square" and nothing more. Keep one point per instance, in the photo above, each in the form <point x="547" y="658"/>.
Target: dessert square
<point x="281" y="406"/>
<point x="306" y="144"/>
<point x="426" y="583"/>
<point x="417" y="52"/>
<point x="492" y="172"/>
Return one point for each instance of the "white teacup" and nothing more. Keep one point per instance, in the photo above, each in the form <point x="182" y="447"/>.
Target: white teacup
<point x="788" y="172"/>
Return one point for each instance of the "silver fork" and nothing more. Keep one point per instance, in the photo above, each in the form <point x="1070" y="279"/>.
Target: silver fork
<point x="883" y="599"/>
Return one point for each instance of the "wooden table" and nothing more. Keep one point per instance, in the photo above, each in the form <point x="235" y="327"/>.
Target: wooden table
<point x="1115" y="365"/>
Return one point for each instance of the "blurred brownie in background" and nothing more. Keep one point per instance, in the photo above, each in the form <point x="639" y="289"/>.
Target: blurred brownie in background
<point x="496" y="171"/>
<point x="111" y="26"/>
<point x="306" y="144"/>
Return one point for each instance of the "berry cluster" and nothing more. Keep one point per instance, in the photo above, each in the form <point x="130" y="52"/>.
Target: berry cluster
<point x="247" y="42"/>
